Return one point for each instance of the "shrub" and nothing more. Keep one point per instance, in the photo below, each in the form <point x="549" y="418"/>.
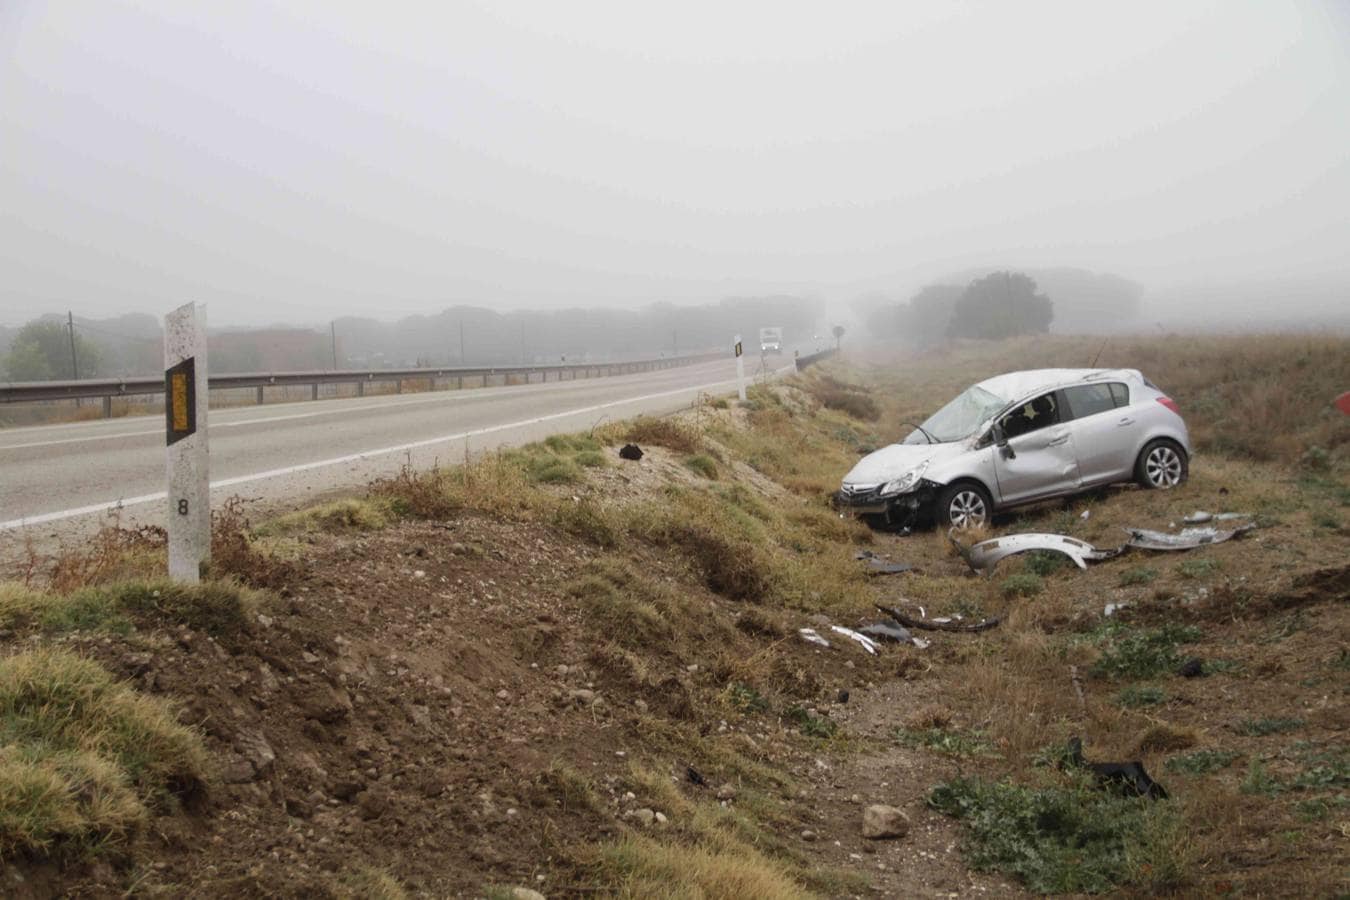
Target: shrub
<point x="702" y="464"/>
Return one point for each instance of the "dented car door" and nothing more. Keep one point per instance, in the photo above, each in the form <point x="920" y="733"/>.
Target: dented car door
<point x="1035" y="455"/>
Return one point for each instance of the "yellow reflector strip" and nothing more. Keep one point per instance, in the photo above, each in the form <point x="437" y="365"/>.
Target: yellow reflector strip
<point x="179" y="389"/>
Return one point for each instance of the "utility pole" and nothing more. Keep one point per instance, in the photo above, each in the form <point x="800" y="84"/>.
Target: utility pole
<point x="461" y="339"/>
<point x="332" y="329"/>
<point x="522" y="342"/>
<point x="74" y="363"/>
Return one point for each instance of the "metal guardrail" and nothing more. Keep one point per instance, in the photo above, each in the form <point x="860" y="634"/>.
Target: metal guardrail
<point x="813" y="358"/>
<point x="109" y="389"/>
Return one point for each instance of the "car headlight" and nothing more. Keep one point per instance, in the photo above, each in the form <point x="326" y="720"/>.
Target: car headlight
<point x="904" y="483"/>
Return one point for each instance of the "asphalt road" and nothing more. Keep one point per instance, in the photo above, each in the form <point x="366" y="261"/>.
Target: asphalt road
<point x="61" y="478"/>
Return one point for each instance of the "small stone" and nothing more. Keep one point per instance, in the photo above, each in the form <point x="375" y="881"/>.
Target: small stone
<point x="644" y="816"/>
<point x="726" y="792"/>
<point x="524" y="893"/>
<point x="661" y="818"/>
<point x="308" y="657"/>
<point x="264" y="621"/>
<point x="808" y="835"/>
<point x="418" y="573"/>
<point x="503" y="694"/>
<point x="581" y="697"/>
<point x="881" y="821"/>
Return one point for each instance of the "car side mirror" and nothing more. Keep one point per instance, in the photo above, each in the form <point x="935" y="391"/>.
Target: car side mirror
<point x="1004" y="450"/>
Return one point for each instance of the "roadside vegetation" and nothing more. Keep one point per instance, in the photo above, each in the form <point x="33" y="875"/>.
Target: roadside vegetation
<point x="591" y="667"/>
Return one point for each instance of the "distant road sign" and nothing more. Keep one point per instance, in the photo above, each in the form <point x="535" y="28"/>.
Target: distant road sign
<point x="738" y="348"/>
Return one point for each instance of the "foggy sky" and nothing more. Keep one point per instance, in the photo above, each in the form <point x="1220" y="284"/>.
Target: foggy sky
<point x="300" y="161"/>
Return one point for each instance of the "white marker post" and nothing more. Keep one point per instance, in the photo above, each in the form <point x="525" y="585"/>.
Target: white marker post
<point x="185" y="408"/>
<point x="740" y="368"/>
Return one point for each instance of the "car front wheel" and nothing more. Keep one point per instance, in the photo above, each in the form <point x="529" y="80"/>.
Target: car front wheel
<point x="964" y="505"/>
<point x="1162" y="465"/>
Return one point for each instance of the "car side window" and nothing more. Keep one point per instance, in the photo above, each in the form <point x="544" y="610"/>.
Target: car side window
<point x="1089" y="399"/>
<point x="1120" y="393"/>
<point x="1030" y="416"/>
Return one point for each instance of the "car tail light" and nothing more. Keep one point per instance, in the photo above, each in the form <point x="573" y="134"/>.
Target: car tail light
<point x="1170" y="404"/>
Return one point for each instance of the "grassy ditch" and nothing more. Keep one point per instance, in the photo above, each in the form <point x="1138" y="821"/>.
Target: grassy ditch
<point x="606" y="640"/>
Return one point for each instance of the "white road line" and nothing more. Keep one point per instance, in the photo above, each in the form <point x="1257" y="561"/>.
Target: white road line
<point x="353" y="408"/>
<point x="352" y="457"/>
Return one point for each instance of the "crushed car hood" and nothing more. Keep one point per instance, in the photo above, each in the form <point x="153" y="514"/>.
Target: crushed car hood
<point x="894" y="461"/>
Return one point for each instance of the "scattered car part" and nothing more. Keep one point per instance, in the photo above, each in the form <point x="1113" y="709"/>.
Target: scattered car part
<point x="812" y="637"/>
<point x="934" y="625"/>
<point x="695" y="777"/>
<point x="1186" y="539"/>
<point x="631" y="451"/>
<point x="888" y="631"/>
<point x="1200" y="517"/>
<point x="867" y="643"/>
<point x="1192" y="668"/>
<point x="1113" y="608"/>
<point x="879" y="567"/>
<point x="1343" y="403"/>
<point x="985" y="555"/>
<point x="1129" y="778"/>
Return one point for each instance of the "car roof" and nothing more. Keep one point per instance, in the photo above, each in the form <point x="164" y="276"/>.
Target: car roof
<point x="1015" y="385"/>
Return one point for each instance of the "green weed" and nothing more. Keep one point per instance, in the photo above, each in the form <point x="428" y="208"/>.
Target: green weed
<point x="1139" y="575"/>
<point x="1064" y="839"/>
<point x="1143" y="653"/>
<point x="1263" y="727"/>
<point x="1198" y="568"/>
<point x="1201" y="762"/>
<point x="1023" y="584"/>
<point x="942" y="740"/>
<point x="1139" y="695"/>
<point x="812" y="725"/>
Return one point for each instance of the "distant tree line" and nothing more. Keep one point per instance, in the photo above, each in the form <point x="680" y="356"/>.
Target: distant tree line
<point x="461" y="335"/>
<point x="1006" y="303"/>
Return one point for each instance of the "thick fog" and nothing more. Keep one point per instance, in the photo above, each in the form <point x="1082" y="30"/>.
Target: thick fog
<point x="299" y="162"/>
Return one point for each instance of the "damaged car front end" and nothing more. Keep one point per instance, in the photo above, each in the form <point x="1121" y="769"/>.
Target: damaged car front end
<point x="898" y="504"/>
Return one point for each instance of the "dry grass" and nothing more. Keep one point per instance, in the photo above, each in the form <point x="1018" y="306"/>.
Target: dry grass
<point x="84" y="758"/>
<point x="673" y="434"/>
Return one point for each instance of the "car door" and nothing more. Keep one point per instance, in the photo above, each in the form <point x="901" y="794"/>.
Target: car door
<point x="1105" y="430"/>
<point x="1035" y="456"/>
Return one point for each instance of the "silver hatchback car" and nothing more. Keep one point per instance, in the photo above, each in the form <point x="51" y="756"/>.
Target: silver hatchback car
<point x="1020" y="438"/>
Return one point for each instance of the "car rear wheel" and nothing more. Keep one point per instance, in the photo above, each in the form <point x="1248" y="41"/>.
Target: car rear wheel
<point x="964" y="505"/>
<point x="1162" y="465"/>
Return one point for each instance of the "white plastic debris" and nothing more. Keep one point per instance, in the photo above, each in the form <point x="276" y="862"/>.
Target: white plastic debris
<point x="867" y="643"/>
<point x="812" y="637"/>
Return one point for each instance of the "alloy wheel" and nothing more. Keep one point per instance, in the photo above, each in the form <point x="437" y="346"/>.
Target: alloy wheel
<point x="1163" y="467"/>
<point x="967" y="510"/>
